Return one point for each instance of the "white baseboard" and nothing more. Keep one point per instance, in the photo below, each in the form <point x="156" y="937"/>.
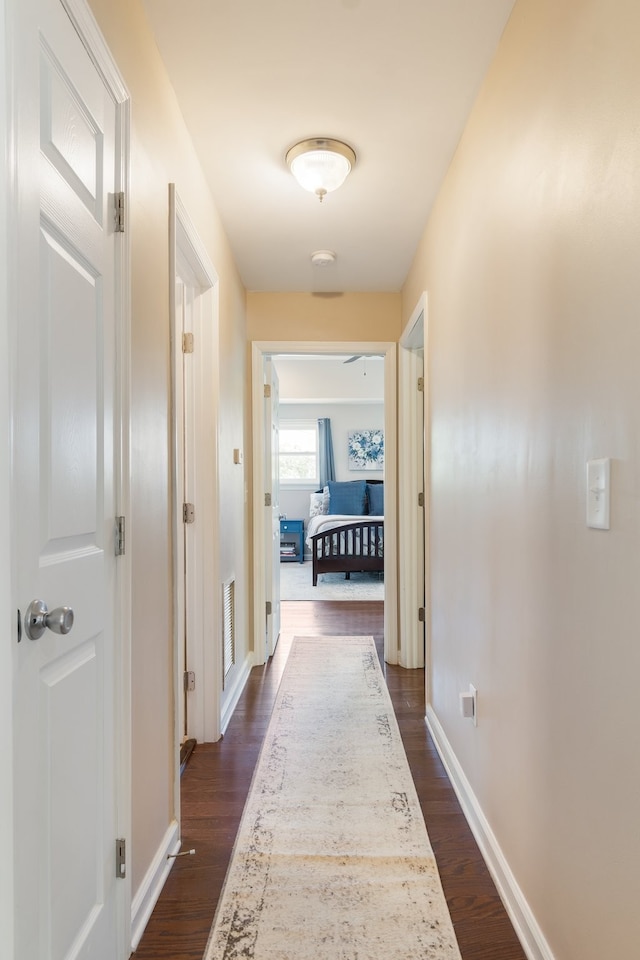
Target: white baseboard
<point x="147" y="894"/>
<point x="524" y="922"/>
<point x="231" y="700"/>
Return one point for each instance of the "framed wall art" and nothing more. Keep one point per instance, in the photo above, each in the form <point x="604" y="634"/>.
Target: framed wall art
<point x="366" y="449"/>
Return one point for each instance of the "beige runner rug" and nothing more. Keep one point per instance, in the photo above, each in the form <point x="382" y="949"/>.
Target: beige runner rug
<point x="332" y="859"/>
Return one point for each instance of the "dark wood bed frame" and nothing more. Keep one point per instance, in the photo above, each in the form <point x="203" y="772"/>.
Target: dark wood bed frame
<point x="346" y="549"/>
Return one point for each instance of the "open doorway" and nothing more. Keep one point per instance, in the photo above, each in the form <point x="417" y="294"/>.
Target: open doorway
<point x="331" y="430"/>
<point x="342" y="357"/>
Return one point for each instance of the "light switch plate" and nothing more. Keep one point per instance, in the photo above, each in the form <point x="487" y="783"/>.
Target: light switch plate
<point x="598" y="493"/>
<point x="469" y="705"/>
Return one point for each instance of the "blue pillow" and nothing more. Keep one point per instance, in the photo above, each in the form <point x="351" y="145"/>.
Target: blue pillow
<point x="375" y="493"/>
<point x="348" y="498"/>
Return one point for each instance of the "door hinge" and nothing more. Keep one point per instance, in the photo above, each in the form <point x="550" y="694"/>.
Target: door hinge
<point x="420" y="384"/>
<point x="118" y="199"/>
<point x="267" y="499"/>
<point x="187" y="343"/>
<point x="421" y="614"/>
<point x="188" y="513"/>
<point x="267" y="390"/>
<point x="121" y="537"/>
<point x="421" y="499"/>
<point x="121" y="858"/>
<point x="189" y="680"/>
<point x="269" y="607"/>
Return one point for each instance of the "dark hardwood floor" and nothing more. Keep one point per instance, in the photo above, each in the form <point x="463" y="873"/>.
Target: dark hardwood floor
<point x="217" y="778"/>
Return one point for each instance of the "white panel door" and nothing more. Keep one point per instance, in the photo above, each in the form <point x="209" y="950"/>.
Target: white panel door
<point x="275" y="510"/>
<point x="272" y="512"/>
<point x="65" y="803"/>
<point x="181" y="530"/>
<point x="189" y="525"/>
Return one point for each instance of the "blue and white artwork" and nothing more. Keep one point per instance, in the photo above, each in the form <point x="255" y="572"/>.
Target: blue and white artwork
<point x="366" y="449"/>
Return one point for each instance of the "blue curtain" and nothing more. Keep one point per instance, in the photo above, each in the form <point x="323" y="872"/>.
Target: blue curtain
<point x="325" y="452"/>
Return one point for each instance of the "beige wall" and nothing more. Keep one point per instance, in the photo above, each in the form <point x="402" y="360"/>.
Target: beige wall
<point x="161" y="152"/>
<point x="316" y="316"/>
<point x="530" y="260"/>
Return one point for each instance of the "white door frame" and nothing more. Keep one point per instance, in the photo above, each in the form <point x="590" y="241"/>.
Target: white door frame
<point x="260" y="348"/>
<point x="89" y="32"/>
<point x="412" y="480"/>
<point x="187" y="253"/>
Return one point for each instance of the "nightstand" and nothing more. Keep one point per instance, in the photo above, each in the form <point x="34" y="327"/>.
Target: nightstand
<point x="291" y="540"/>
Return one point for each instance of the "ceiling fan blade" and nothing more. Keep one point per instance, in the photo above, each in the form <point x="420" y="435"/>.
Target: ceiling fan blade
<point x="360" y="356"/>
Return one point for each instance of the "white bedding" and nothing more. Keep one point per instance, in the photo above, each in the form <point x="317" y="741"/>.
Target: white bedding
<point x="328" y="521"/>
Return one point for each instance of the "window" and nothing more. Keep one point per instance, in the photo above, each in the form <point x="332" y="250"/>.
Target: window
<point x="298" y="452"/>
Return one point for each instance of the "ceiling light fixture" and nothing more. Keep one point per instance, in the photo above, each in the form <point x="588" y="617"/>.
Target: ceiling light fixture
<point x="320" y="164"/>
<point x="323" y="258"/>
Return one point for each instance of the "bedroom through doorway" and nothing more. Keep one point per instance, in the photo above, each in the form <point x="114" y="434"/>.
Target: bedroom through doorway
<point x="331" y="416"/>
<point x="347" y="391"/>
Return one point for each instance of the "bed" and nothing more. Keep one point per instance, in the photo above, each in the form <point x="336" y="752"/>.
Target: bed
<point x="345" y="531"/>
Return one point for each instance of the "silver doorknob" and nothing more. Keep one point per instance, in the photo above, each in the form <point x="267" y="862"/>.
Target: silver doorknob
<point x="37" y="619"/>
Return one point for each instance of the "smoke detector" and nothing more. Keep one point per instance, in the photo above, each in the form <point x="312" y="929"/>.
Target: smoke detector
<point x="323" y="258"/>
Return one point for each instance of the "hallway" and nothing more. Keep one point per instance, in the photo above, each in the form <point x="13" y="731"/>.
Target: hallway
<point x="217" y="778"/>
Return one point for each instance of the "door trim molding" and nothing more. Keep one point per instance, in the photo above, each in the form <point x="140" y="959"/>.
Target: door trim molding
<point x="89" y="31"/>
<point x="260" y="348"/>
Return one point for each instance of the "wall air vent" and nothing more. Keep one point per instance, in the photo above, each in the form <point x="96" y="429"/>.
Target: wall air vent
<point x="228" y="627"/>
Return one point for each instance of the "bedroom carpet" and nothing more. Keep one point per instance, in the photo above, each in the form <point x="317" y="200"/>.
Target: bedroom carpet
<point x="332" y="859"/>
<point x="296" y="584"/>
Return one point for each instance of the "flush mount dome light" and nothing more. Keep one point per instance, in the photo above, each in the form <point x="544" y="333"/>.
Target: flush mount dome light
<point x="320" y="165"/>
<point x="323" y="258"/>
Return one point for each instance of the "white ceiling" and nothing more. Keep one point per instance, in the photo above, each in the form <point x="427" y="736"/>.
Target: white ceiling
<point x="393" y="78"/>
<point x="313" y="378"/>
